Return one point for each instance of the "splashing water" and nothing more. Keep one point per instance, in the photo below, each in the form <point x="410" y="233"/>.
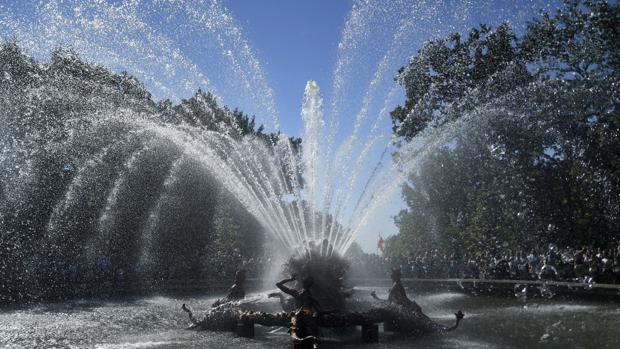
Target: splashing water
<point x="327" y="192"/>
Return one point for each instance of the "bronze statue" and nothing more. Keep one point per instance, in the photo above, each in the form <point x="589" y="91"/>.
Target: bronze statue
<point x="397" y="294"/>
<point x="304" y="314"/>
<point x="287" y="303"/>
<point x="304" y="328"/>
<point x="235" y="292"/>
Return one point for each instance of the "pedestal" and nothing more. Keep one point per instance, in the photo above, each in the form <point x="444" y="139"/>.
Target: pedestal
<point x="370" y="333"/>
<point x="245" y="329"/>
<point x="304" y="345"/>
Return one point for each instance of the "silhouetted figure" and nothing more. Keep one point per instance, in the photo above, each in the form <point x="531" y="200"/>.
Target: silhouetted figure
<point x="236" y="291"/>
<point x="501" y="271"/>
<point x="304" y="323"/>
<point x="547" y="272"/>
<point x="397" y="294"/>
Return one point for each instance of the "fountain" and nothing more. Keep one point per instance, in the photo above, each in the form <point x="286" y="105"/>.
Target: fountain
<point x="328" y="191"/>
<point x="102" y="183"/>
<point x="262" y="175"/>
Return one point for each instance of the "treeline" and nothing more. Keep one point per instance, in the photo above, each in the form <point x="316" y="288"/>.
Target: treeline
<point x="92" y="190"/>
<point x="533" y="152"/>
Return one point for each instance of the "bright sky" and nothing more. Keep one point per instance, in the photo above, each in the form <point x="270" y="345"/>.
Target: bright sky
<point x="296" y="41"/>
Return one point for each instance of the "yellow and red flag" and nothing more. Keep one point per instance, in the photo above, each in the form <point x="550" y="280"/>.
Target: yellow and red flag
<point x="381" y="243"/>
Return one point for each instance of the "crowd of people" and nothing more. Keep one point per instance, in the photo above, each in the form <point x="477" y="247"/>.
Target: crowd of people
<point x="567" y="264"/>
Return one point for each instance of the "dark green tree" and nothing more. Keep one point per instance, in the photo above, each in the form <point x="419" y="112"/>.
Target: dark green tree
<point x="80" y="186"/>
<point x="533" y="158"/>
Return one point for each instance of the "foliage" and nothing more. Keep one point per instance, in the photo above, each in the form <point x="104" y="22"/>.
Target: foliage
<point x="533" y="156"/>
<point x="56" y="131"/>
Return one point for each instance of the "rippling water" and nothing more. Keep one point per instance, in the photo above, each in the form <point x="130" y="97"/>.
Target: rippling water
<point x="158" y="322"/>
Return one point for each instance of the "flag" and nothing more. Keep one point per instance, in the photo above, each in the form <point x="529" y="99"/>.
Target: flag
<point x="381" y="243"/>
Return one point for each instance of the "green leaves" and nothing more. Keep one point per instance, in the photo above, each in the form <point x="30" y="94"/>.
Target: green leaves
<point x="444" y="71"/>
<point x="539" y="146"/>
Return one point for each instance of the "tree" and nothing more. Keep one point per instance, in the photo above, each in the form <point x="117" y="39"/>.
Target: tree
<point x="532" y="157"/>
<point x="84" y="192"/>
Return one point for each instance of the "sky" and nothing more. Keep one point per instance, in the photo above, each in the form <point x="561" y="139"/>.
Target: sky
<point x="296" y="41"/>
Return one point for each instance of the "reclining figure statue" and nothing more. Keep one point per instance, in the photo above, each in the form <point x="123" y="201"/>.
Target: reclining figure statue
<point x="398" y="297"/>
<point x="398" y="313"/>
<point x="236" y="291"/>
<point x="397" y="294"/>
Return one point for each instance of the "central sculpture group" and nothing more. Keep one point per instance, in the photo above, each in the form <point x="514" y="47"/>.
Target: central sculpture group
<point x="319" y="301"/>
